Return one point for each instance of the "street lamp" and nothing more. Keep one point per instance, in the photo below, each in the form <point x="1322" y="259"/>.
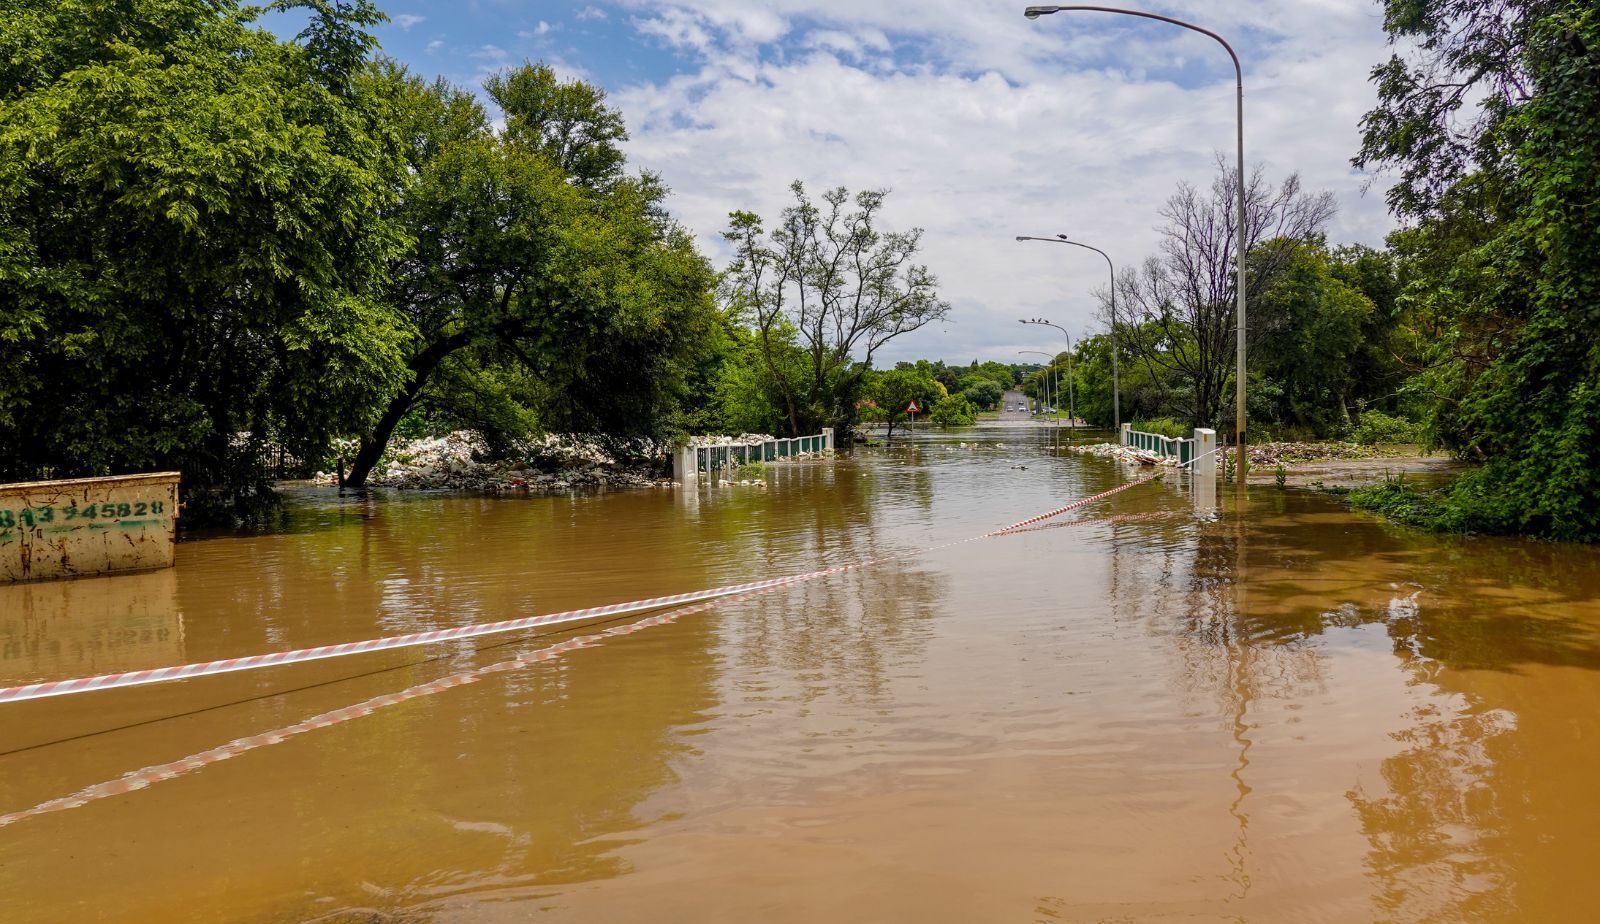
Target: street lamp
<point x="1072" y="409"/>
<point x="1034" y="12"/>
<point x="1116" y="388"/>
<point x="1046" y="380"/>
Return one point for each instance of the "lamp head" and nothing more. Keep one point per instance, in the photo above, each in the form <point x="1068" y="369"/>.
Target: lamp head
<point x="1034" y="12"/>
<point x="1063" y="237"/>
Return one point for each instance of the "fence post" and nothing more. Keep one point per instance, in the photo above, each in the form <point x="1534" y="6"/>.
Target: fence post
<point x="685" y="463"/>
<point x="827" y="439"/>
<point x="1127" y="430"/>
<point x="1205" y="454"/>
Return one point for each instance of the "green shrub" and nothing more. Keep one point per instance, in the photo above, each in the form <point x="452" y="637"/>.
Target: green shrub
<point x="1164" y="426"/>
<point x="955" y="411"/>
<point x="1395" y="499"/>
<point x="1377" y="427"/>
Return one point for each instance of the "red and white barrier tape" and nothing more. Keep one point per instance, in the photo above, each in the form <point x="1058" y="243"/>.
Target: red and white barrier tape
<point x="1081" y="502"/>
<point x="1098" y="521"/>
<point x="139" y="779"/>
<point x="230" y="665"/>
<point x="50" y="688"/>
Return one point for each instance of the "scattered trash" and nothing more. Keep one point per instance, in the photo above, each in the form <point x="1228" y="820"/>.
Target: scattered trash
<point x="461" y="461"/>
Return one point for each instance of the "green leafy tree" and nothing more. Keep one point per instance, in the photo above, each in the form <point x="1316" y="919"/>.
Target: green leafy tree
<point x="982" y="392"/>
<point x="1176" y="311"/>
<point x="532" y="247"/>
<point x="844" y="288"/>
<point x="1492" y="118"/>
<point x="894" y="390"/>
<point x="954" y="411"/>
<point x="196" y="221"/>
<point x="748" y="395"/>
<point x="1310" y="333"/>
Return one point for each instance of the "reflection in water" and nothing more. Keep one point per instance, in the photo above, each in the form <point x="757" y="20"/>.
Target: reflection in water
<point x="1161" y="709"/>
<point x="84" y="627"/>
<point x="147" y="776"/>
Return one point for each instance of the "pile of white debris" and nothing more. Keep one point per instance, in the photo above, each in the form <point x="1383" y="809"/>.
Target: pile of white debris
<point x="461" y="461"/>
<point x="1125" y="453"/>
<point x="743" y="439"/>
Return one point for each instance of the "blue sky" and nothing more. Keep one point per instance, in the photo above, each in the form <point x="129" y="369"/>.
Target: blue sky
<point x="983" y="124"/>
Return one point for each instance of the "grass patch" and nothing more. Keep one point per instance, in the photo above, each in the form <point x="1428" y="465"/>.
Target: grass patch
<point x="1396" y="500"/>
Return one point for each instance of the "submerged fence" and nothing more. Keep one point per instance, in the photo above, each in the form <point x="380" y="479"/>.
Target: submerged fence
<point x="1166" y="447"/>
<point x="689" y="461"/>
<point x="1197" y="453"/>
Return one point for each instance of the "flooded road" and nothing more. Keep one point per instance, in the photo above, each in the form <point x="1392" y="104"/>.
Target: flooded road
<point x="1294" y="714"/>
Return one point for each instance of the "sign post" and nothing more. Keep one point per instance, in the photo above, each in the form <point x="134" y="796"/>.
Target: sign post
<point x="913" y="411"/>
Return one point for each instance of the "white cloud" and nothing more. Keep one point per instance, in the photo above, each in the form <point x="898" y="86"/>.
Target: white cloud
<point x="435" y="45"/>
<point x="407" y="20"/>
<point x="992" y="126"/>
<point x="490" y="53"/>
<point x="591" y="12"/>
<point x="538" y="30"/>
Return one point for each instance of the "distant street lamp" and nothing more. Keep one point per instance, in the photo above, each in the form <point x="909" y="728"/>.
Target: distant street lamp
<point x="1034" y="12"/>
<point x="1116" y="387"/>
<point x="1046" y="381"/>
<point x="1072" y="410"/>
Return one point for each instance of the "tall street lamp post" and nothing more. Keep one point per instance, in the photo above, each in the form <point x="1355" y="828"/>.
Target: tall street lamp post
<point x="1034" y="12"/>
<point x="1045" y="380"/>
<point x="1072" y="409"/>
<point x="1116" y="387"/>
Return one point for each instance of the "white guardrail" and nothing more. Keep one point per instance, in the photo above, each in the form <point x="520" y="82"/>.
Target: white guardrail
<point x="689" y="461"/>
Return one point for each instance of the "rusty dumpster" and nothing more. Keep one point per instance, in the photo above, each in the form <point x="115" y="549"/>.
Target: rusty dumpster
<point x="85" y="526"/>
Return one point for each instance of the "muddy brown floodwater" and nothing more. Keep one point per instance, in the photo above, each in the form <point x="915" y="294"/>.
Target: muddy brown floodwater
<point x="1289" y="712"/>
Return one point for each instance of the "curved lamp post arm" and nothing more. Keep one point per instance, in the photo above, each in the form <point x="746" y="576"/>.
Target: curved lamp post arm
<point x="1034" y="12"/>
<point x="1116" y="385"/>
<point x="1072" y="409"/>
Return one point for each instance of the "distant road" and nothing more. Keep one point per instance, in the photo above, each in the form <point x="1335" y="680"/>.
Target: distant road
<point x="1012" y="400"/>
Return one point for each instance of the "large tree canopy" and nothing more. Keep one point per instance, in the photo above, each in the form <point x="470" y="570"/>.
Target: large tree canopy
<point x="1493" y="122"/>
<point x="828" y="282"/>
<point x="532" y="249"/>
<point x="214" y="241"/>
<point x="195" y="225"/>
<point x="1179" y="307"/>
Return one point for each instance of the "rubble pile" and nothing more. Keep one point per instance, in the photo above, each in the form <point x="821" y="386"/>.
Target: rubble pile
<point x="743" y="439"/>
<point x="460" y="461"/>
<point x="1125" y="453"/>
<point x="1261" y="454"/>
<point x="1290" y="453"/>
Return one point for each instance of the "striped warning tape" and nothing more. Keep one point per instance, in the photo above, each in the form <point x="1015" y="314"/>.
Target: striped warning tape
<point x="1098" y="521"/>
<point x="1081" y="502"/>
<point x="252" y="662"/>
<point x="146" y="776"/>
<point x="49" y="688"/>
<point x="142" y="778"/>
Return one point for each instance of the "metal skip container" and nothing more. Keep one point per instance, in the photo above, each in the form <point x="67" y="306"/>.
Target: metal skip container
<point x="85" y="526"/>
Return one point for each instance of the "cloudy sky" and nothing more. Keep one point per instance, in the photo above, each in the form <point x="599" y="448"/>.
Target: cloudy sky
<point x="984" y="125"/>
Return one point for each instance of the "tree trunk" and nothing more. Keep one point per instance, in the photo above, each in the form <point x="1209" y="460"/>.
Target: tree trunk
<point x="373" y="445"/>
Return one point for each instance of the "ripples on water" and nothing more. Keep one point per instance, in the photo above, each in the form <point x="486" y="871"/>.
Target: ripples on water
<point x="1297" y="714"/>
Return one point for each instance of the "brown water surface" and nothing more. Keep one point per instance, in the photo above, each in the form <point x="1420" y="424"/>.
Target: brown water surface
<point x="1294" y="714"/>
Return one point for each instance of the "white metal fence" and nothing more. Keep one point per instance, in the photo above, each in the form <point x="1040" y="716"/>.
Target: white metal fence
<point x="690" y="461"/>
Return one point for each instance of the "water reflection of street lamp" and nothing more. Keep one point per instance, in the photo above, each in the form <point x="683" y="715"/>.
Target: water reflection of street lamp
<point x="1072" y="410"/>
<point x="1034" y="12"/>
<point x="1045" y="380"/>
<point x="1116" y="387"/>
